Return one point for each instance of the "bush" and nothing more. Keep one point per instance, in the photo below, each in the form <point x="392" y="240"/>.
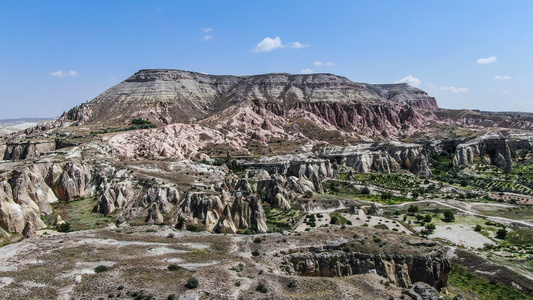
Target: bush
<point x="64" y="227"/>
<point x="430" y="228"/>
<point x="181" y="222"/>
<point x="308" y="194"/>
<point x="449" y="216"/>
<point x="257" y="240"/>
<point x="334" y="220"/>
<point x="261" y="287"/>
<point x="100" y="269"/>
<point x="427" y="218"/>
<point x="386" y="196"/>
<point x="413" y="209"/>
<point x="140" y="121"/>
<point x="292" y="283"/>
<point x="192" y="283"/>
<point x="478" y="228"/>
<point x="192" y="227"/>
<point x="173" y="267"/>
<point x="255" y="253"/>
<point x="501" y="233"/>
<point x="365" y="191"/>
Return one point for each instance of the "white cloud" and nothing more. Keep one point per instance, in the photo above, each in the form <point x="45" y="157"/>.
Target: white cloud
<point x="208" y="29"/>
<point x="498" y="77"/>
<point x="320" y="64"/>
<point x="307" y="71"/>
<point x="412" y="81"/>
<point x="207" y="37"/>
<point x="112" y="78"/>
<point x="297" y="45"/>
<point x="486" y="61"/>
<point x="268" y="44"/>
<point x="454" y="89"/>
<point x="60" y="73"/>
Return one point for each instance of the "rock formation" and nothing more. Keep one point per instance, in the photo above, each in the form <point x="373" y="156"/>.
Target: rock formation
<point x="499" y="150"/>
<point x="402" y="270"/>
<point x="382" y="157"/>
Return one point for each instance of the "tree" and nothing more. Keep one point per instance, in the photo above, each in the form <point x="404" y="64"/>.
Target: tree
<point x="415" y="194"/>
<point x="449" y="216"/>
<point x="427" y="218"/>
<point x="501" y="233"/>
<point x="478" y="228"/>
<point x="428" y="229"/>
<point x="413" y="209"/>
<point x="386" y="196"/>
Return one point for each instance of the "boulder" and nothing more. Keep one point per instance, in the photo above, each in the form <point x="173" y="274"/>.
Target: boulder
<point x="423" y="291"/>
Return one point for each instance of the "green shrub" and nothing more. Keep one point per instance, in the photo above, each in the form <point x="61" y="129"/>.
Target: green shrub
<point x="386" y="196"/>
<point x="413" y="209"/>
<point x="256" y="252"/>
<point x="501" y="233"/>
<point x="292" y="283"/>
<point x="427" y="218"/>
<point x="173" y="267"/>
<point x="64" y="227"/>
<point x="192" y="227"/>
<point x="192" y="283"/>
<point x="100" y="269"/>
<point x="261" y="287"/>
<point x="449" y="216"/>
<point x="257" y="240"/>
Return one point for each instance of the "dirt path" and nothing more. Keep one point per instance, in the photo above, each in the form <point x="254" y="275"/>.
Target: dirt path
<point x="468" y="212"/>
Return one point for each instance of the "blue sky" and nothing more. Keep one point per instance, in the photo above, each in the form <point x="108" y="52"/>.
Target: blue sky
<point x="468" y="54"/>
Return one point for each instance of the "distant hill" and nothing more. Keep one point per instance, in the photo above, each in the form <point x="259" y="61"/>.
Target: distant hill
<point x="8" y="126"/>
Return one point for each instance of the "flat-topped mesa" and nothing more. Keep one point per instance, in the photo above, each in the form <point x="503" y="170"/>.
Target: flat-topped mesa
<point x="171" y="96"/>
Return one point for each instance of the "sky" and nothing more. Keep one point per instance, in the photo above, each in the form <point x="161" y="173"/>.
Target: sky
<point x="55" y="55"/>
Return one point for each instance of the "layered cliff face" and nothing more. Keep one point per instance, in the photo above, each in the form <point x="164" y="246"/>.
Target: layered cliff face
<point x="400" y="259"/>
<point x="382" y="157"/>
<point x="401" y="270"/>
<point x="499" y="150"/>
<point x="26" y="149"/>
